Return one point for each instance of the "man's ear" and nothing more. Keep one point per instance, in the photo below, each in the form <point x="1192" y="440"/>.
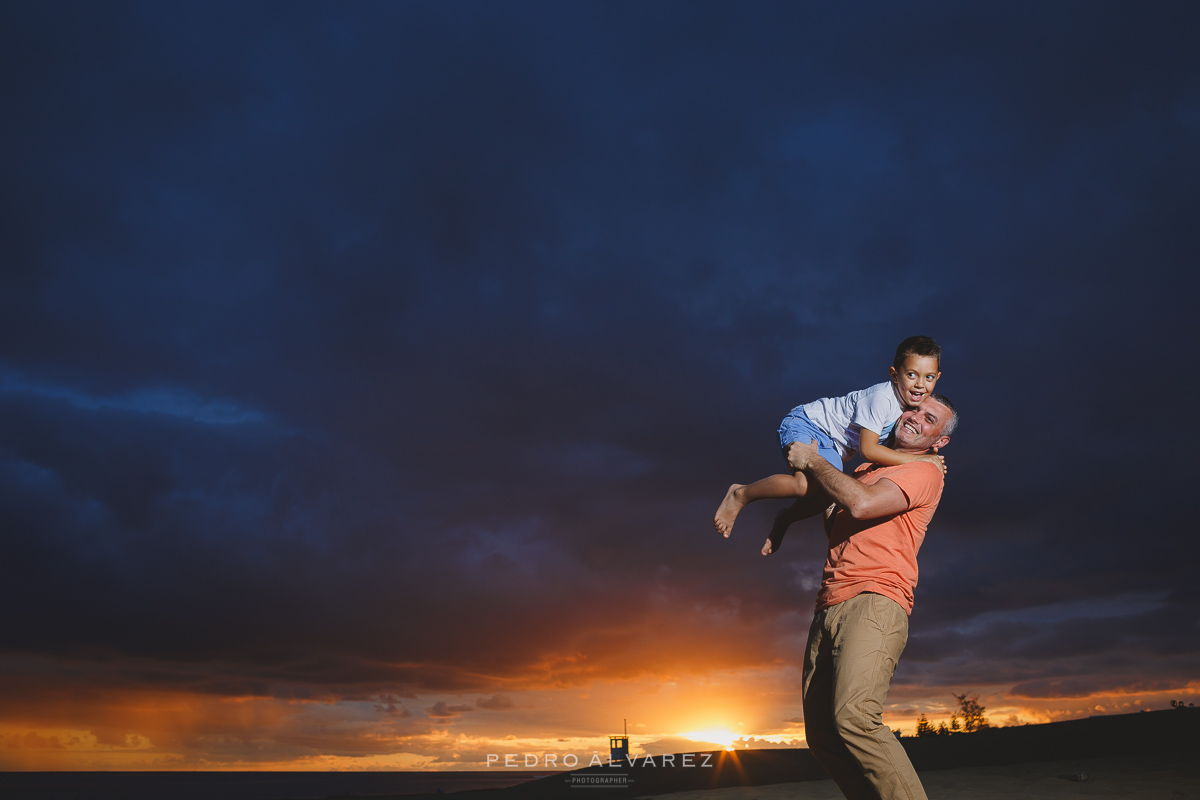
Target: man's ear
<point x="941" y="442"/>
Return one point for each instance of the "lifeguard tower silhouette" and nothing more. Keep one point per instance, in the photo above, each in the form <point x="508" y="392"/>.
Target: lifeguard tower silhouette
<point x="618" y="746"/>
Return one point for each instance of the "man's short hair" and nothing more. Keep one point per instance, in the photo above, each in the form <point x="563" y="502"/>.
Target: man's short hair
<point x="917" y="346"/>
<point x="951" y="423"/>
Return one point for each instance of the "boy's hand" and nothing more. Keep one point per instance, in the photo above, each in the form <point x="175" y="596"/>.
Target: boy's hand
<point x="935" y="459"/>
<point x="801" y="454"/>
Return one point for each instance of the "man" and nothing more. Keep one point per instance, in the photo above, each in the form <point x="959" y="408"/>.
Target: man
<point x="866" y="595"/>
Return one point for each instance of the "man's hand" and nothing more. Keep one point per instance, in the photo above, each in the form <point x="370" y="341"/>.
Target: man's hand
<point x="802" y="454"/>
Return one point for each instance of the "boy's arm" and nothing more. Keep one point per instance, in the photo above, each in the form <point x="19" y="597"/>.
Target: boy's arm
<point x="881" y="499"/>
<point x="873" y="451"/>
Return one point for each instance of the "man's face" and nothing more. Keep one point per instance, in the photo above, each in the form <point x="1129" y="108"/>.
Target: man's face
<point x="919" y="429"/>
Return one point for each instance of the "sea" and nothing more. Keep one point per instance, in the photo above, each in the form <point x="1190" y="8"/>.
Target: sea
<point x="246" y="785"/>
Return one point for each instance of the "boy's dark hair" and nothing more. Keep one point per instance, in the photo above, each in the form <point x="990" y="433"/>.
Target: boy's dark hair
<point x="917" y="346"/>
<point x="951" y="423"/>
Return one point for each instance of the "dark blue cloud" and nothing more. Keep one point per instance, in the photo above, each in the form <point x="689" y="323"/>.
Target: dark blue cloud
<point x="312" y="315"/>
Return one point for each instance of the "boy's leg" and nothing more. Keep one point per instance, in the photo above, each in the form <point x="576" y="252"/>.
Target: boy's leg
<point x="776" y="487"/>
<point x="808" y="506"/>
<point x="796" y="427"/>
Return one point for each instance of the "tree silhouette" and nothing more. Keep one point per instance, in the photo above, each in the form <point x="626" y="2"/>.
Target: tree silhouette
<point x="924" y="728"/>
<point x="972" y="712"/>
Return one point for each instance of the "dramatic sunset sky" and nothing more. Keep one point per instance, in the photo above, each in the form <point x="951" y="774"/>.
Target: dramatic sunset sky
<point x="370" y="371"/>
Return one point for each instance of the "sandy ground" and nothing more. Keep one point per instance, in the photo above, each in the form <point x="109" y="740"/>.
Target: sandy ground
<point x="1138" y="777"/>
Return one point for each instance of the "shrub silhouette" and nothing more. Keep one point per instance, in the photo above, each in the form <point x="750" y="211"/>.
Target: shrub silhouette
<point x="972" y="712"/>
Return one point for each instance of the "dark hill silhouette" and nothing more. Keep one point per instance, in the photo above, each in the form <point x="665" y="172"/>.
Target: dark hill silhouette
<point x="1149" y="732"/>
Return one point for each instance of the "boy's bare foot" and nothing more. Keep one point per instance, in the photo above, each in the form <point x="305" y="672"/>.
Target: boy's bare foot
<point x="783" y="520"/>
<point x="728" y="510"/>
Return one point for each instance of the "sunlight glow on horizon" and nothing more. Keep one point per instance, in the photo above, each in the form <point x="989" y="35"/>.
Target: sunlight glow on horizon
<point x="136" y="731"/>
<point x="721" y="736"/>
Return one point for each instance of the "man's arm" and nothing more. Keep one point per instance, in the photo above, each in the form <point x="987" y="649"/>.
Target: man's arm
<point x="881" y="499"/>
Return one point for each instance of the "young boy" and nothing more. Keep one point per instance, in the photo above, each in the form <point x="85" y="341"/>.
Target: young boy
<point x="842" y="426"/>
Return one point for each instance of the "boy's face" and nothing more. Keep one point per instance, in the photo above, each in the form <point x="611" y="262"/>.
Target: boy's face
<point x="916" y="379"/>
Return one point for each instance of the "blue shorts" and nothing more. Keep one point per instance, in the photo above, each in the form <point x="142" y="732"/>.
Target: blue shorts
<point x="797" y="427"/>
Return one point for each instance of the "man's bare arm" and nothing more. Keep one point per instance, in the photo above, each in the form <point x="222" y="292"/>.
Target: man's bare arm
<point x="881" y="499"/>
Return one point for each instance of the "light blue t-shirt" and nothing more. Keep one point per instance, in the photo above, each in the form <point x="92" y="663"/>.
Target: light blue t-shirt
<point x="876" y="408"/>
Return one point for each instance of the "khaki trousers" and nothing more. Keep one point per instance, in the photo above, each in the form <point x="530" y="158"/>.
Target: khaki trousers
<point x="852" y="652"/>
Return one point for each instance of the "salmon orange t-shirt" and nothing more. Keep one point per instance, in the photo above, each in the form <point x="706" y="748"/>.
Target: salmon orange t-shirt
<point x="880" y="555"/>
